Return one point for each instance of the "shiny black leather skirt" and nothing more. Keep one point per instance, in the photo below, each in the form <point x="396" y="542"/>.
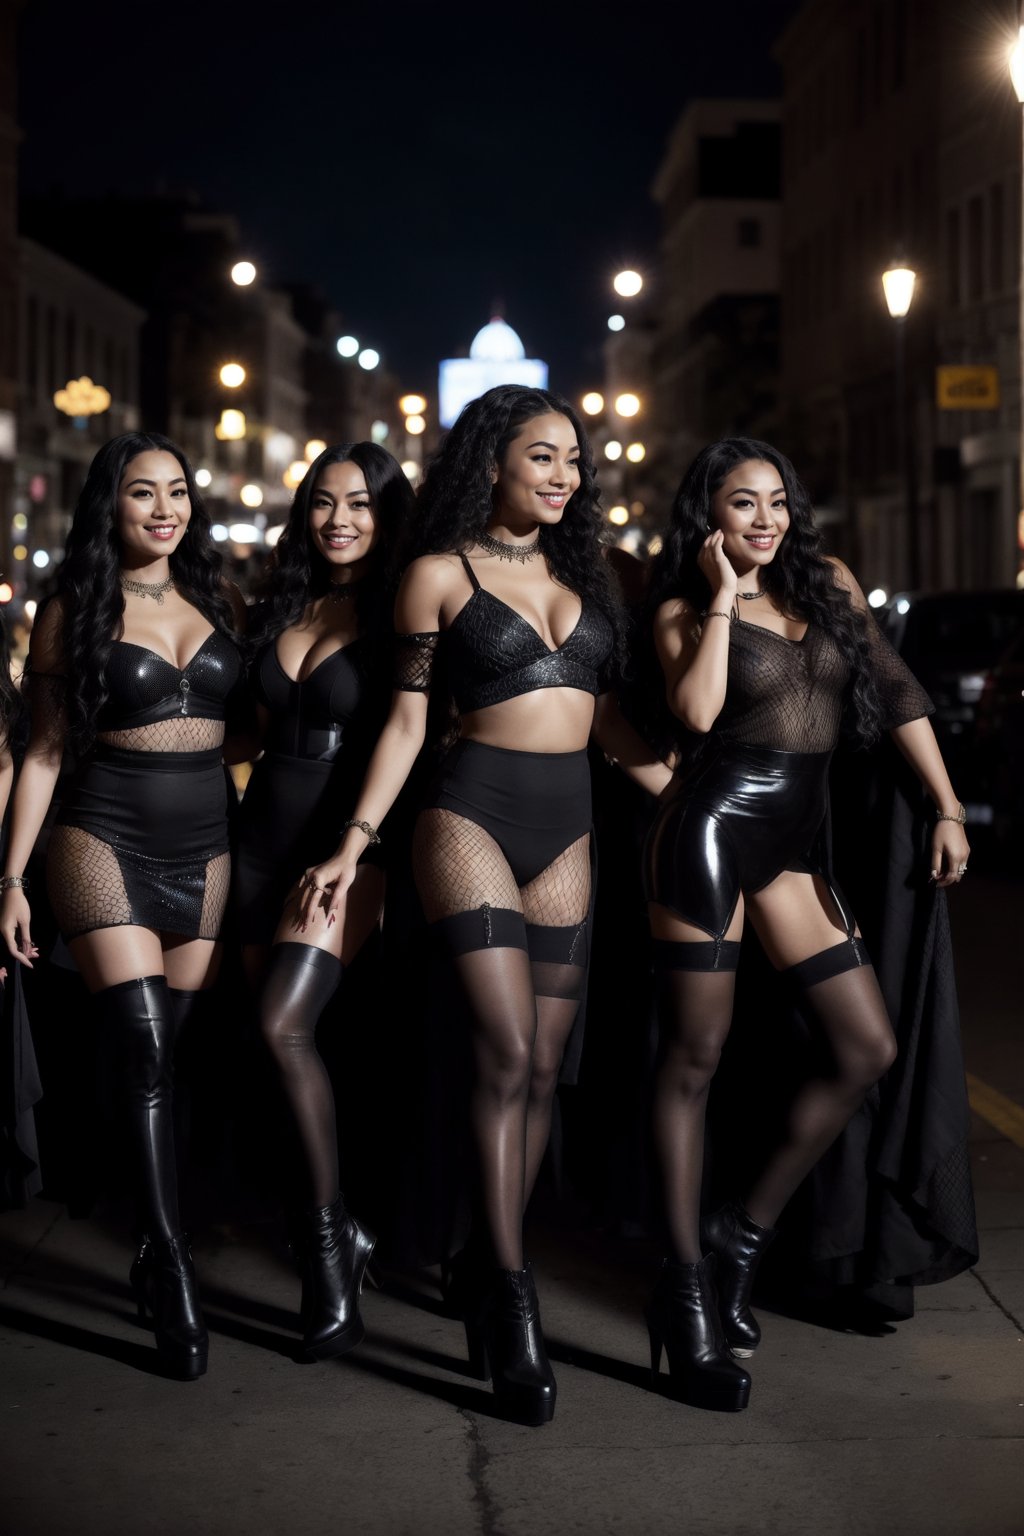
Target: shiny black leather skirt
<point x="741" y="816"/>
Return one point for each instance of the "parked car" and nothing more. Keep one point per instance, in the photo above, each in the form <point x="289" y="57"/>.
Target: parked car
<point x="999" y="743"/>
<point x="953" y="642"/>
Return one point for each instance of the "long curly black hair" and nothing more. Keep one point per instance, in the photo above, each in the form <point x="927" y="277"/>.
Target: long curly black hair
<point x="89" y="586"/>
<point x="456" y="501"/>
<point x="10" y="697"/>
<point x="801" y="581"/>
<point x="298" y="574"/>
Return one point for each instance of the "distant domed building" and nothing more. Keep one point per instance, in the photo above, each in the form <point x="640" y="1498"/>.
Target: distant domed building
<point x="497" y="356"/>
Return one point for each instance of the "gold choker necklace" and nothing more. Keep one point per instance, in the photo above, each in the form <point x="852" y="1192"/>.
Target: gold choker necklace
<point x="153" y="589"/>
<point x="518" y="552"/>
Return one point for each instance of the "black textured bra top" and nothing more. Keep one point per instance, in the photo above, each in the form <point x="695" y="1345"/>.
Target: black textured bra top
<point x="143" y="687"/>
<point x="308" y="717"/>
<point x="789" y="695"/>
<point x="494" y="654"/>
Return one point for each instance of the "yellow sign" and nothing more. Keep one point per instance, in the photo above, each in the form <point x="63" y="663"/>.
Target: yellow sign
<point x="967" y="388"/>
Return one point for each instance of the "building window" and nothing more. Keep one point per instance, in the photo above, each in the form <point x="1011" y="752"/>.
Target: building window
<point x="997" y="236"/>
<point x="953" y="256"/>
<point x="975" y="248"/>
<point x="748" y="233"/>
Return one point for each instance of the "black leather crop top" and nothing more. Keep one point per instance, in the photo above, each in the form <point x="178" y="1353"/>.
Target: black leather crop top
<point x="143" y="688"/>
<point x="308" y="719"/>
<point x="494" y="654"/>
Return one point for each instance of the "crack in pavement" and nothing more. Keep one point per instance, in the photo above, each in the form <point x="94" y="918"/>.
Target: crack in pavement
<point x="479" y="1458"/>
<point x="994" y="1299"/>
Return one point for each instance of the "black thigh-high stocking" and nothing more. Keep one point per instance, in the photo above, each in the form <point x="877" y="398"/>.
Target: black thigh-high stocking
<point x="840" y="993"/>
<point x="697" y="982"/>
<point x="140" y="1019"/>
<point x="300" y="982"/>
<point x="557" y="966"/>
<point x="495" y="977"/>
<point x="183" y="1007"/>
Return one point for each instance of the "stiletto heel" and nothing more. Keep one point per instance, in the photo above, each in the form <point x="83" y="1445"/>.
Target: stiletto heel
<point x="335" y="1255"/>
<point x="164" y="1282"/>
<point x="476" y="1349"/>
<point x="682" y="1317"/>
<point x="738" y="1244"/>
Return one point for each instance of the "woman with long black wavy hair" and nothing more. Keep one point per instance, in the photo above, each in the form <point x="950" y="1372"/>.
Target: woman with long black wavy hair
<point x="509" y="583"/>
<point x="321" y="643"/>
<point x="766" y="645"/>
<point x="132" y="669"/>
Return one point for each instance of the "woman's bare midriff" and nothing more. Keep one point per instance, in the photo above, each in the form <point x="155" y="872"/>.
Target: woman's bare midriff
<point x="547" y="720"/>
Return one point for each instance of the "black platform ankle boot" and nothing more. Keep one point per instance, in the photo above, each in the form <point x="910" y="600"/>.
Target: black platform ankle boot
<point x="164" y="1282"/>
<point x="505" y="1336"/>
<point x="335" y="1253"/>
<point x="737" y="1243"/>
<point x="682" y="1317"/>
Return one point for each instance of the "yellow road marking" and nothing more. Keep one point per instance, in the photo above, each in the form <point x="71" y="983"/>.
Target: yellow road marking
<point x="1004" y="1114"/>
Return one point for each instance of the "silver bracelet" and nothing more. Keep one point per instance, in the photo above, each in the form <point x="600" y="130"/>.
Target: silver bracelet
<point x="717" y="613"/>
<point x="960" y="818"/>
<point x="15" y="883"/>
<point x="364" y="826"/>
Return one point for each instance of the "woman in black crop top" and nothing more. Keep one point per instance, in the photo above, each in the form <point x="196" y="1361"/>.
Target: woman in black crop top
<point x="765" y="645"/>
<point x="511" y="589"/>
<point x="320" y="674"/>
<point x="133" y="667"/>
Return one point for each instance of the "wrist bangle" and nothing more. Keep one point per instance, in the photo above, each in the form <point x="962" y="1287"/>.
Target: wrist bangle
<point x="960" y="818"/>
<point x="364" y="826"/>
<point x="717" y="613"/>
<point x="14" y="883"/>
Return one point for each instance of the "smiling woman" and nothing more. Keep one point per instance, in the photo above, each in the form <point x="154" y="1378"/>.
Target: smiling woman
<point x="133" y="666"/>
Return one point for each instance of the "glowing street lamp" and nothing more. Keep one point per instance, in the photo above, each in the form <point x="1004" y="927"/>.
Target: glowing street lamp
<point x="232" y="375"/>
<point x="627" y="404"/>
<point x="243" y="273"/>
<point x="898" y="287"/>
<point x="593" y="403"/>
<point x="627" y="284"/>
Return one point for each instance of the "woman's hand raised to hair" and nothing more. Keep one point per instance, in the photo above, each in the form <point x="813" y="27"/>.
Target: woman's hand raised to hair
<point x="716" y="568"/>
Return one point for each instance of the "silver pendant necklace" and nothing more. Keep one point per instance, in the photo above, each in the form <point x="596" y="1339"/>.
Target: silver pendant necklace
<point x="521" y="553"/>
<point x="749" y="597"/>
<point x="153" y="589"/>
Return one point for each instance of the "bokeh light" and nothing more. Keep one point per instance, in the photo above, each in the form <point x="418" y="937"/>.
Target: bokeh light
<point x="251" y="496"/>
<point x="593" y="403"/>
<point x="415" y="425"/>
<point x="613" y="450"/>
<point x="412" y="405"/>
<point x="232" y="375"/>
<point x="627" y="284"/>
<point x="636" y="453"/>
<point x="347" y="346"/>
<point x="368" y="358"/>
<point x="616" y="323"/>
<point x="243" y="273"/>
<point x="203" y="479"/>
<point x="619" y="516"/>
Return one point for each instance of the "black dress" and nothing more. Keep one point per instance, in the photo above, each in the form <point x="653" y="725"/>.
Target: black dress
<point x="141" y="836"/>
<point x="321" y="734"/>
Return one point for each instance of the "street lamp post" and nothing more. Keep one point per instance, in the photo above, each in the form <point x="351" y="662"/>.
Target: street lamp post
<point x="898" y="286"/>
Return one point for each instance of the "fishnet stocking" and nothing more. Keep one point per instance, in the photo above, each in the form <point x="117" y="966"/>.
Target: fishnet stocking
<point x="850" y="1012"/>
<point x="696" y="1009"/>
<point x="459" y="867"/>
<point x="182" y="733"/>
<point x="560" y="895"/>
<point x="92" y="885"/>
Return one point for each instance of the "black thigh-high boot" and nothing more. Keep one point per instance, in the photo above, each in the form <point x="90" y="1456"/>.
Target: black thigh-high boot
<point x="333" y="1249"/>
<point x="139" y="1017"/>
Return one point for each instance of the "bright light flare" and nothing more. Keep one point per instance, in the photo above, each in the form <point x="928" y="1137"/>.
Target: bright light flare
<point x="636" y="453"/>
<point x="878" y="597"/>
<point x="314" y="448"/>
<point x="251" y="496"/>
<point x="6" y="591"/>
<point x="272" y="536"/>
<point x="593" y="403"/>
<point x="415" y="425"/>
<point x="244" y="533"/>
<point x="627" y="404"/>
<point x="616" y="323"/>
<point x="613" y="450"/>
<point x="412" y="405"/>
<point x="898" y="287"/>
<point x="294" y="474"/>
<point x="347" y="346"/>
<point x="243" y="273"/>
<point x="619" y="516"/>
<point x="231" y="427"/>
<point x="627" y="284"/>
<point x="40" y="559"/>
<point x="232" y="375"/>
<point x="368" y="359"/>
<point x="1016" y="59"/>
<point x="204" y="479"/>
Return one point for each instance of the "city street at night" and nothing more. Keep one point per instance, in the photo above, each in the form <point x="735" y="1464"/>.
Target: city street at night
<point x="915" y="1432"/>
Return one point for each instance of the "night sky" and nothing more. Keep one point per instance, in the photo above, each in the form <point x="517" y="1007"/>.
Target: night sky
<point x="417" y="163"/>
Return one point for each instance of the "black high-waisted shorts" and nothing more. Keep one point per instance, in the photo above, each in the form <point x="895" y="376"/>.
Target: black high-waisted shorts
<point x="741" y="816"/>
<point x="534" y="804"/>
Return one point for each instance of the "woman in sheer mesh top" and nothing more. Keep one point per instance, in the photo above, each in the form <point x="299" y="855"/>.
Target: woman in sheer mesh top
<point x="132" y="668"/>
<point x="511" y="588"/>
<point x="321" y="678"/>
<point x="766" y="645"/>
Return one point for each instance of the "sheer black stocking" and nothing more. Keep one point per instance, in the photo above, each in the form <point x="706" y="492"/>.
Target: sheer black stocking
<point x="695" y="1004"/>
<point x="840" y="993"/>
<point x="300" y="982"/>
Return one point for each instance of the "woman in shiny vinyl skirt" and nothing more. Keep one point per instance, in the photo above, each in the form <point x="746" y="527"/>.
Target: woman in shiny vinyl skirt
<point x="767" y="650"/>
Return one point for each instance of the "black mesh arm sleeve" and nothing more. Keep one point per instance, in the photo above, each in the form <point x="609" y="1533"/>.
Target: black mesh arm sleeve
<point x="414" y="661"/>
<point x="900" y="695"/>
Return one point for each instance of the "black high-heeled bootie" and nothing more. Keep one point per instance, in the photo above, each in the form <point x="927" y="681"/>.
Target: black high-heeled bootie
<point x="682" y="1318"/>
<point x="737" y="1243"/>
<point x="163" y="1279"/>
<point x="505" y="1341"/>
<point x="335" y="1253"/>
